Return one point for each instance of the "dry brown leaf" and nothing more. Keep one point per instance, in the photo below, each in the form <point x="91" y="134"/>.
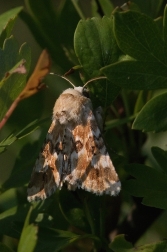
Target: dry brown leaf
<point x="34" y="83"/>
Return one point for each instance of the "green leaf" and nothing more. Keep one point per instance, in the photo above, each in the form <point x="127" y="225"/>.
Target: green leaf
<point x="117" y="122"/>
<point x="141" y="100"/>
<point x="28" y="239"/>
<point x="138" y="36"/>
<point x="10" y="218"/>
<point x="2" y="149"/>
<point x="152" y="117"/>
<point x="21" y="171"/>
<point x="107" y="7"/>
<point x="72" y="210"/>
<point x="165" y="28"/>
<point x="31" y="127"/>
<point x="5" y="248"/>
<point x="103" y="93"/>
<point x="6" y="16"/>
<point x="159" y="23"/>
<point x="154" y="247"/>
<point x="150" y="7"/>
<point x="95" y="47"/>
<point x="58" y="239"/>
<point x="78" y="8"/>
<point x="52" y="27"/>
<point x="148" y="183"/>
<point x="7" y="141"/>
<point x="7" y="21"/>
<point x="160" y="201"/>
<point x="161" y="157"/>
<point x="121" y="245"/>
<point x="94" y="9"/>
<point x="137" y="75"/>
<point x="8" y="199"/>
<point x="11" y="84"/>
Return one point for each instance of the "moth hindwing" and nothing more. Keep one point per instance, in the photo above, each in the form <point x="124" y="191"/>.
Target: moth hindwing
<point x="73" y="152"/>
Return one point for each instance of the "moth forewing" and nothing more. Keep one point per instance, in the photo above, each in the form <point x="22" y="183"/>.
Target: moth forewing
<point x="74" y="152"/>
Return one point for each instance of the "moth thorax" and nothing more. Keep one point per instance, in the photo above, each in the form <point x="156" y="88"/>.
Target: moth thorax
<point x="73" y="91"/>
<point x="79" y="89"/>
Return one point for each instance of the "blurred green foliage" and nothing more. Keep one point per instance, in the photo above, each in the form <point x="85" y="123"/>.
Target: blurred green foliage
<point x="128" y="45"/>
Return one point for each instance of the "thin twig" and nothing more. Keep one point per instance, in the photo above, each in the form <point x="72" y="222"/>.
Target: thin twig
<point x="9" y="112"/>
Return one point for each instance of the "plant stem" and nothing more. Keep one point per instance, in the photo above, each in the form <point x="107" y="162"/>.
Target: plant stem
<point x="117" y="122"/>
<point x="128" y="113"/>
<point x="78" y="9"/>
<point x="102" y="214"/>
<point x="90" y="219"/>
<point x="9" y="112"/>
<point x="88" y="215"/>
<point x="125" y="101"/>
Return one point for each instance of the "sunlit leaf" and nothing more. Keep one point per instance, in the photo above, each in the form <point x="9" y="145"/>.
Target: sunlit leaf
<point x="152" y="116"/>
<point x="121" y="245"/>
<point x="7" y="21"/>
<point x="28" y="239"/>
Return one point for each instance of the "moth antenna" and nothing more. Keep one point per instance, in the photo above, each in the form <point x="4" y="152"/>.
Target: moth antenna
<point x="96" y="78"/>
<point x="63" y="77"/>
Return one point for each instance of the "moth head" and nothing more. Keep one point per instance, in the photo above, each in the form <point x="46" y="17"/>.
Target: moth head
<point x="82" y="90"/>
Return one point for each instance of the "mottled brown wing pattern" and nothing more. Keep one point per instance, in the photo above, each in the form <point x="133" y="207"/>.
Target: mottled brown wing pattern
<point x="91" y="166"/>
<point x="46" y="175"/>
<point x="73" y="152"/>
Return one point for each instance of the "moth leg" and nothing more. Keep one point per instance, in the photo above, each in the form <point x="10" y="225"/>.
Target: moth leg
<point x="98" y="113"/>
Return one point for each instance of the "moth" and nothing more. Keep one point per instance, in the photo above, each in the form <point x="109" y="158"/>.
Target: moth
<point x="73" y="152"/>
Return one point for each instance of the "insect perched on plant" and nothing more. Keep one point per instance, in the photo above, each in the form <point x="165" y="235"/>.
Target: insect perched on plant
<point x="74" y="151"/>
